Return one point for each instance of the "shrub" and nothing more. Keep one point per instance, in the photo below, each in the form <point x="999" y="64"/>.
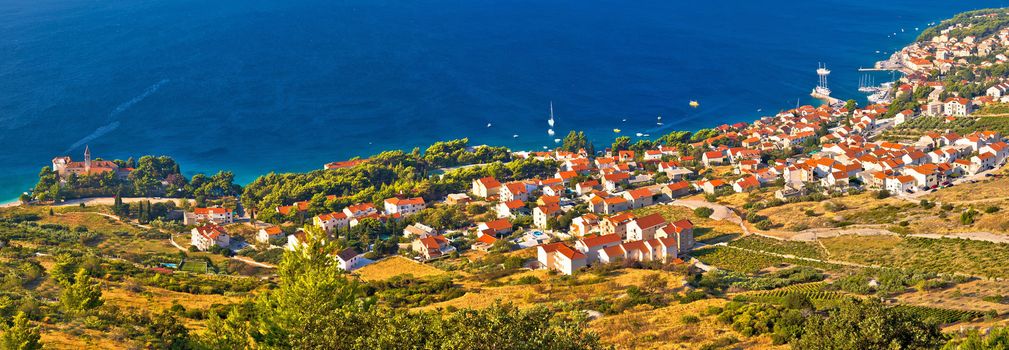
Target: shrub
<point x="947" y="207"/>
<point x="690" y="319"/>
<point x="967" y="217"/>
<point x="764" y="225"/>
<point x="991" y="209"/>
<point x="926" y="204"/>
<point x="883" y="194"/>
<point x="703" y="212"/>
<point x="834" y="207"/>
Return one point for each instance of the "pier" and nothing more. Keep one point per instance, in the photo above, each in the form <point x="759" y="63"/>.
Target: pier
<point x="831" y="101"/>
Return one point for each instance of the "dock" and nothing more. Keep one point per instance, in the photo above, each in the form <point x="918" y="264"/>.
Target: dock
<point x="832" y="101"/>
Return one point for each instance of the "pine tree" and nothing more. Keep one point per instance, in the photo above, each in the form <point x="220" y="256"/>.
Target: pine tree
<point x="20" y="335"/>
<point x="83" y="294"/>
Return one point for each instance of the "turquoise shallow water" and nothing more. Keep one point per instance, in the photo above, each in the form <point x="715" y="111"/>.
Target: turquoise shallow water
<point x="258" y="86"/>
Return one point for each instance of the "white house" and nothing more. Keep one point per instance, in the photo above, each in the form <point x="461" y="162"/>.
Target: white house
<point x="418" y="230"/>
<point x="998" y="90"/>
<point x="643" y="228"/>
<point x="957" y="106"/>
<point x="543" y="213"/>
<point x="514" y="191"/>
<point x="999" y="149"/>
<point x="982" y="162"/>
<point x="220" y="216"/>
<point x="348" y="259"/>
<point x="332" y="221"/>
<point x="899" y="184"/>
<point x="264" y="235"/>
<point x="925" y="176"/>
<point x="560" y="257"/>
<point x="659" y="249"/>
<point x="432" y="247"/>
<point x="713" y="157"/>
<point x="404" y="206"/>
<point x="591" y="246"/>
<point x="206" y="236"/>
<point x="360" y="209"/>
<point x="485" y="187"/>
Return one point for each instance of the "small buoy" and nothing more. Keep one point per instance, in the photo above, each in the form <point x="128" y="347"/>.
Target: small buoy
<point x="694" y="104"/>
<point x="516" y="135"/>
<point x="616" y="130"/>
<point x="488" y="125"/>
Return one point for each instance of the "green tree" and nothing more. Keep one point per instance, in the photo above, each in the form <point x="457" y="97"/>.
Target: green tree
<point x="850" y="105"/>
<point x="63" y="269"/>
<point x="621" y="143"/>
<point x="227" y="333"/>
<point x="81" y="295"/>
<point x="997" y="338"/>
<point x="166" y="331"/>
<point x="20" y="335"/>
<point x="868" y="325"/>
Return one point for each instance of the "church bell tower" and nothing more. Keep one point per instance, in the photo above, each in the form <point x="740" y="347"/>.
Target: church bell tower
<point x="87" y="159"/>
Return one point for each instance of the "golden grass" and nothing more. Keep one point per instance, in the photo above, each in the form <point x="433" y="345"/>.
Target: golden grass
<point x="663" y="328"/>
<point x="59" y="337"/>
<point x="479" y="296"/>
<point x="92" y="221"/>
<point x="394" y="266"/>
<point x="793" y="215"/>
<point x="737" y="200"/>
<point x="989" y="190"/>
<point x="964" y="296"/>
<point x="153" y="299"/>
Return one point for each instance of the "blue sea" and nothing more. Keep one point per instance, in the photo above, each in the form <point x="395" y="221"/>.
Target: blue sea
<point x="258" y="86"/>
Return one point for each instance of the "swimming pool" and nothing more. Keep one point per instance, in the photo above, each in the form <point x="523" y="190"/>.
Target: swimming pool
<point x="538" y="234"/>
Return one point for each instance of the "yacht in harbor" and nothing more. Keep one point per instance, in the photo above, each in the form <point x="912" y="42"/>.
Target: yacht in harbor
<point x="821" y="90"/>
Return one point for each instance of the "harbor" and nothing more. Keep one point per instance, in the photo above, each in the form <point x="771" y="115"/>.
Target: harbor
<point x="821" y="91"/>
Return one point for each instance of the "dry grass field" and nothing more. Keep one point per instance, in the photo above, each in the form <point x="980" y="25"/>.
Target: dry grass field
<point x="394" y="266"/>
<point x="966" y="296"/>
<point x="664" y="328"/>
<point x="982" y="191"/>
<point x="550" y="290"/>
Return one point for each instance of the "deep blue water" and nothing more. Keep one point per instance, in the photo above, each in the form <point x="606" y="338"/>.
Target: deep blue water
<point x="259" y="86"/>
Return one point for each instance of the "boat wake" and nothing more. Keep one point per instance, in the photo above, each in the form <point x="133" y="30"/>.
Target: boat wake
<point x="94" y="135"/>
<point x="122" y="107"/>
<point x="126" y="105"/>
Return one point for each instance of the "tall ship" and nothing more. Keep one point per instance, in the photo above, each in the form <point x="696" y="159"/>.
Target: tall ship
<point x="821" y="90"/>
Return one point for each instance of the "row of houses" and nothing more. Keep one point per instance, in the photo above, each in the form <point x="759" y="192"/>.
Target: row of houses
<point x="622" y="237"/>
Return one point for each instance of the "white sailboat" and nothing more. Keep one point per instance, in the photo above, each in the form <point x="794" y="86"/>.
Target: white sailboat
<point x="551" y="120"/>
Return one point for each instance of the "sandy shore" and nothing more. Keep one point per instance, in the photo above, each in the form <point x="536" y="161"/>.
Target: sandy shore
<point x="103" y="201"/>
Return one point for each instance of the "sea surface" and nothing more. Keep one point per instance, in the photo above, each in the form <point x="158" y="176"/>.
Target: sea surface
<point x="257" y="86"/>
